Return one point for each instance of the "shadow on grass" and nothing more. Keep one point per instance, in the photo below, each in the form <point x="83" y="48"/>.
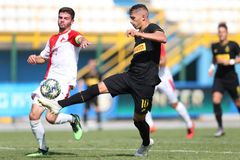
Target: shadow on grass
<point x="56" y="154"/>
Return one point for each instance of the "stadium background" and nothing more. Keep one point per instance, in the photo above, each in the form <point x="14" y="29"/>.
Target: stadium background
<point x="190" y="25"/>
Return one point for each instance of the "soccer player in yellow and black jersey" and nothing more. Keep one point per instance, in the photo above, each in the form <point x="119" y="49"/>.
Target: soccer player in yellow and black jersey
<point x="225" y="55"/>
<point x="139" y="81"/>
<point x="92" y="77"/>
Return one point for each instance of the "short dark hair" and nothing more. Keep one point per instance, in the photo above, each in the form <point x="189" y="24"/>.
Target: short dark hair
<point x="68" y="10"/>
<point x="137" y="6"/>
<point x="223" y="24"/>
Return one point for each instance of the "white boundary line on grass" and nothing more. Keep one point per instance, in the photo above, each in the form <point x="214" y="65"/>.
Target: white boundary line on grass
<point x="121" y="149"/>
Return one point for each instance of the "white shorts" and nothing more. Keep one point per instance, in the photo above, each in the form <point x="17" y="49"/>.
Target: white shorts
<point x="167" y="85"/>
<point x="65" y="90"/>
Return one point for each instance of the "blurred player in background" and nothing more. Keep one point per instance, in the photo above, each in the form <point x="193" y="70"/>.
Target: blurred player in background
<point x="139" y="81"/>
<point x="61" y="52"/>
<point x="225" y="54"/>
<point x="90" y="78"/>
<point x="167" y="87"/>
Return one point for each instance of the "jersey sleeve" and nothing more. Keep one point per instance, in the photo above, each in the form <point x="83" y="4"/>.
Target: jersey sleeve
<point x="46" y="51"/>
<point x="73" y="38"/>
<point x="154" y="27"/>
<point x="163" y="51"/>
<point x="236" y="50"/>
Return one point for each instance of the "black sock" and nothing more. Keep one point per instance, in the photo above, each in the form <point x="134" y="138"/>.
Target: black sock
<point x="85" y="118"/>
<point x="143" y="129"/>
<point x="80" y="97"/>
<point x="218" y="114"/>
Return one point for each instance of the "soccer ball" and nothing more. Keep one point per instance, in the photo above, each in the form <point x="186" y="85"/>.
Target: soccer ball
<point x="50" y="88"/>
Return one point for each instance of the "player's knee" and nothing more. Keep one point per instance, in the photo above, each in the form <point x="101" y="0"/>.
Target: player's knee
<point x="34" y="116"/>
<point x="50" y="119"/>
<point x="216" y="100"/>
<point x="138" y="117"/>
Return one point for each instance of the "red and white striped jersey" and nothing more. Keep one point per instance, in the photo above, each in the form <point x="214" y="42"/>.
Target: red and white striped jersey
<point x="62" y="52"/>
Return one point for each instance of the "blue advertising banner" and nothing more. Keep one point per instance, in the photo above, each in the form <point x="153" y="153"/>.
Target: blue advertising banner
<point x="15" y="99"/>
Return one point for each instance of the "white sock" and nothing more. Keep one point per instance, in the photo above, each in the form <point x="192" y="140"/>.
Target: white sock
<point x="64" y="118"/>
<point x="149" y="119"/>
<point x="39" y="133"/>
<point x="181" y="109"/>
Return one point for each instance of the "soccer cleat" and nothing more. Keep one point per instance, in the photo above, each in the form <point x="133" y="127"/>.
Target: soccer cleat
<point x="191" y="132"/>
<point x="219" y="132"/>
<point x="143" y="150"/>
<point x="51" y="105"/>
<point x="39" y="153"/>
<point x="76" y="127"/>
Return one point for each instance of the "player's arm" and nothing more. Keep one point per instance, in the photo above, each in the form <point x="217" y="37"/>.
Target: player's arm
<point x="155" y="36"/>
<point x="211" y="68"/>
<point x="36" y="59"/>
<point x="163" y="61"/>
<point x="233" y="58"/>
<point x="82" y="41"/>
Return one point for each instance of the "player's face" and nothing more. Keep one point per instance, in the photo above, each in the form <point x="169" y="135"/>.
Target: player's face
<point x="222" y="34"/>
<point x="64" y="21"/>
<point x="136" y="19"/>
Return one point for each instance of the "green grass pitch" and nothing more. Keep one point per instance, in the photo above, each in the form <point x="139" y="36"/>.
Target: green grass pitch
<point x="121" y="145"/>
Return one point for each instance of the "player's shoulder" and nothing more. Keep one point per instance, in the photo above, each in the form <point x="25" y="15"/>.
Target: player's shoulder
<point x="74" y="32"/>
<point x="154" y="27"/>
<point x="233" y="43"/>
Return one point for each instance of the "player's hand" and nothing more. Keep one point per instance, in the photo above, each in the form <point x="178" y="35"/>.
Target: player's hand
<point x="211" y="70"/>
<point x="84" y="43"/>
<point x="132" y="33"/>
<point x="32" y="59"/>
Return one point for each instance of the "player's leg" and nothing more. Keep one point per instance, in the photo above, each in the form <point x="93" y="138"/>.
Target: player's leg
<point x="83" y="96"/>
<point x="217" y="95"/>
<point x="115" y="84"/>
<point x="142" y="106"/>
<point x="182" y="111"/>
<point x="150" y="122"/>
<point x="217" y="99"/>
<point x="234" y="91"/>
<point x="167" y="87"/>
<point x="62" y="118"/>
<point x="38" y="130"/>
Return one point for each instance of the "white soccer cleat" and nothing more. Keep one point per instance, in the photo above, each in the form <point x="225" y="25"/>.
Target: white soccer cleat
<point x="51" y="105"/>
<point x="219" y="132"/>
<point x="143" y="150"/>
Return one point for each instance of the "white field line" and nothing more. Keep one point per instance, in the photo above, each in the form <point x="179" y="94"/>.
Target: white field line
<point x="121" y="149"/>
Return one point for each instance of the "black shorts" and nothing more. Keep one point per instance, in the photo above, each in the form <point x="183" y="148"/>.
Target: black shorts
<point x="231" y="85"/>
<point x="123" y="84"/>
<point x="92" y="102"/>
